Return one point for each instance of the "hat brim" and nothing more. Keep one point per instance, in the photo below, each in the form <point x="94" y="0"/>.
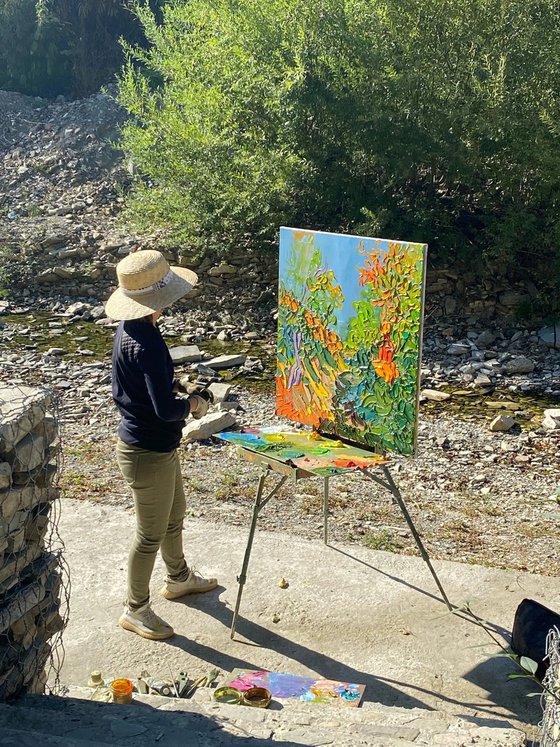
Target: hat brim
<point x="122" y="307"/>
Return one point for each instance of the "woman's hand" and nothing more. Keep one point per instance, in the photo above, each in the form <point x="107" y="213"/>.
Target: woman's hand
<point x="198" y="405"/>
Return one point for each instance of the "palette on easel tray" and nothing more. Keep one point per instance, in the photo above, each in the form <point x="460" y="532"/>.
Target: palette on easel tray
<point x="307" y="689"/>
<point x="306" y="450"/>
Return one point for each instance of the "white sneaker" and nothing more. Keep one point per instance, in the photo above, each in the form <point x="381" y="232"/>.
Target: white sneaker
<point x="194" y="584"/>
<point x="145" y="623"/>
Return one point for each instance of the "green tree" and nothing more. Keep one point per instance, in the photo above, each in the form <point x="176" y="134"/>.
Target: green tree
<point x="424" y="120"/>
<point x="51" y="47"/>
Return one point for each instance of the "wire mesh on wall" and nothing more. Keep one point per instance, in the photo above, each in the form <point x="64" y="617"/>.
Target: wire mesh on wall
<point x="34" y="579"/>
<point x="550" y="725"/>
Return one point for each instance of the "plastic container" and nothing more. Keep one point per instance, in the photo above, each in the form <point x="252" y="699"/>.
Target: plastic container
<point x="95" y="680"/>
<point x="122" y="691"/>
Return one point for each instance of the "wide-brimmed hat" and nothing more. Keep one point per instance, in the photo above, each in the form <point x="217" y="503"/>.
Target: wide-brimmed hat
<point x="146" y="284"/>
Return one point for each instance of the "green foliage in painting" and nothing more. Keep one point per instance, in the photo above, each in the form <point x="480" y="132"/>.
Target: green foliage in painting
<point x="383" y="344"/>
<point x="356" y="380"/>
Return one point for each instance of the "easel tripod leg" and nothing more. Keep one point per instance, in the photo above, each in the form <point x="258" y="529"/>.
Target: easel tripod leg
<point x="243" y="575"/>
<point x="400" y="500"/>
<point x="326" y="510"/>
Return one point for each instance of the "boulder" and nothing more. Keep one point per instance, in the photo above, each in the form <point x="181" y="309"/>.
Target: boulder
<point x="433" y="395"/>
<point x="550" y="336"/>
<point x="214" y="422"/>
<point x="458" y="348"/>
<point x="502" y="423"/>
<point x="520" y="364"/>
<point x="220" y="391"/>
<point x="185" y="354"/>
<point x="226" y="361"/>
<point x="551" y="421"/>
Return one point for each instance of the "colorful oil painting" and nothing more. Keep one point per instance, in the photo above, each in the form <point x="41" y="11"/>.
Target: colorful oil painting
<point x="349" y="336"/>
<point x="308" y="689"/>
<point x="305" y="450"/>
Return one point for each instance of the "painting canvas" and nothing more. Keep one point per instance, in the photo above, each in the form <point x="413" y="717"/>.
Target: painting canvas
<point x="349" y="336"/>
<point x="305" y="450"/>
<point x="308" y="689"/>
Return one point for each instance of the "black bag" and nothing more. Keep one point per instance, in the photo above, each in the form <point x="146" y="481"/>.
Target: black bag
<point x="531" y="626"/>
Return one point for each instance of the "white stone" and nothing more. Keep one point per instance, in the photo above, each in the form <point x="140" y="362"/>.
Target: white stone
<point x="502" y="423"/>
<point x="433" y="395"/>
<point x="226" y="361"/>
<point x="482" y="380"/>
<point x="219" y="391"/>
<point x="185" y="354"/>
<point x="551" y="421"/>
<point x="214" y="422"/>
<point x="223" y="269"/>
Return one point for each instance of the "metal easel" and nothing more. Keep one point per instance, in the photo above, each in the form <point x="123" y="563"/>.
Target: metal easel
<point x="285" y="472"/>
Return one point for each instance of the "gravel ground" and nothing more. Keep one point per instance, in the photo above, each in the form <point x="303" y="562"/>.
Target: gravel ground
<point x="475" y="496"/>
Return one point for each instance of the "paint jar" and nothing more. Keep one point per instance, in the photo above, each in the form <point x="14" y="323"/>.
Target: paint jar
<point x="122" y="691"/>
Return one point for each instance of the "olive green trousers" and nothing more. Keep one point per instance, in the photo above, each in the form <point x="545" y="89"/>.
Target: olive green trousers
<point x="159" y="502"/>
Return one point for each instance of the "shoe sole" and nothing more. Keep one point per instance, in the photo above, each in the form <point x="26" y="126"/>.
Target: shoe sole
<point x="166" y="594"/>
<point x="143" y="633"/>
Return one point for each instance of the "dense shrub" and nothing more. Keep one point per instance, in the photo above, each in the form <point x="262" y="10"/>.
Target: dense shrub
<point x="69" y="47"/>
<point x="432" y="120"/>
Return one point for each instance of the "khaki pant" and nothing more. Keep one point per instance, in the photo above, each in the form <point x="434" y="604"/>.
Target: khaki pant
<point x="159" y="501"/>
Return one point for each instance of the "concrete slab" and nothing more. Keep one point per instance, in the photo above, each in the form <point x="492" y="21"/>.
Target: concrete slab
<point x="348" y="613"/>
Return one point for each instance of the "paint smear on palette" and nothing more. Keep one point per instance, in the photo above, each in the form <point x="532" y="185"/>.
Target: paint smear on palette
<point x="307" y="450"/>
<point x="307" y="689"/>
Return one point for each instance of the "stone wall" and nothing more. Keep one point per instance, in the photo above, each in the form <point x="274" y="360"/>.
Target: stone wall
<point x="451" y="292"/>
<point x="30" y="568"/>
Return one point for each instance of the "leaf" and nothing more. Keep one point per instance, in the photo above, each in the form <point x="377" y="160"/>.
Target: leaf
<point x="529" y="665"/>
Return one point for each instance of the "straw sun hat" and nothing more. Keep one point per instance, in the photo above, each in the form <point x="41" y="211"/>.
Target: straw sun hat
<point x="146" y="284"/>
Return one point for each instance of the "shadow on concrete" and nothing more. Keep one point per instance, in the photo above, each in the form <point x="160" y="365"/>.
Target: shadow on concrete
<point x="139" y="724"/>
<point x="389" y="575"/>
<point x="461" y="611"/>
<point x="380" y="690"/>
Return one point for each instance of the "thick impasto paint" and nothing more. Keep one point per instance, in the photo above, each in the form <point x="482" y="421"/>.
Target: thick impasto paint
<point x="349" y="336"/>
<point x="308" y="689"/>
<point x="305" y="450"/>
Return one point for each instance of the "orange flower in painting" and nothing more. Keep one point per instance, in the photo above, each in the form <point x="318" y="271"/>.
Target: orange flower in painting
<point x="372" y="270"/>
<point x="385" y="366"/>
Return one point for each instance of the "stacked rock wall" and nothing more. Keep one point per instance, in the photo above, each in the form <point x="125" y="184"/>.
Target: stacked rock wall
<point x="30" y="563"/>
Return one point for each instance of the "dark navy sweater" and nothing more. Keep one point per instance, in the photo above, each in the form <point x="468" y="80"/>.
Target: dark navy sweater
<point x="152" y="417"/>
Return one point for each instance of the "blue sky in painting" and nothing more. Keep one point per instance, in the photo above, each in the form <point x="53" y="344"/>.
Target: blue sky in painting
<point x="340" y="254"/>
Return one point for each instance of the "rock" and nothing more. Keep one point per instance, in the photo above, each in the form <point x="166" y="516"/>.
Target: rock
<point x="485" y="339"/>
<point x="226" y="361"/>
<point x="223" y="269"/>
<point x="220" y="391"/>
<point x="458" y="348"/>
<point x="519" y="365"/>
<point x="433" y="395"/>
<point x="482" y="380"/>
<point x="512" y="298"/>
<point x="502" y="423"/>
<point x="214" y="422"/>
<point x="550" y="336"/>
<point x="185" y="354"/>
<point x="223" y="336"/>
<point x="551" y="421"/>
<point x="229" y="406"/>
<point x="76" y="309"/>
<point x="5" y="475"/>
